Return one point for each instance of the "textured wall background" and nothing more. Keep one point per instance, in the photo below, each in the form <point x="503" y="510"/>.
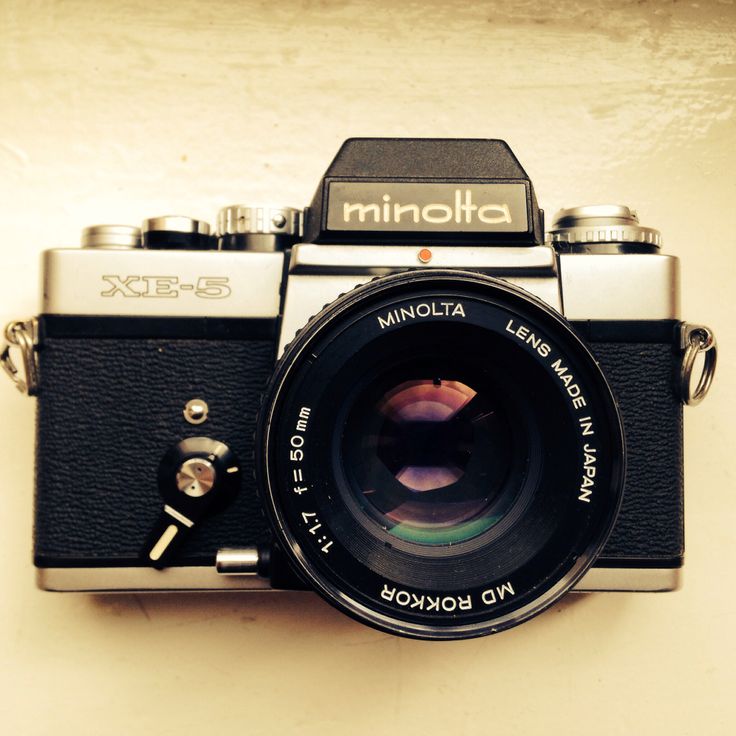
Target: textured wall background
<point x="114" y="111"/>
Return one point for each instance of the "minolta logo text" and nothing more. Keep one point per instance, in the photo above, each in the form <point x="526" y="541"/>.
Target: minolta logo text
<point x="462" y="210"/>
<point x="427" y="207"/>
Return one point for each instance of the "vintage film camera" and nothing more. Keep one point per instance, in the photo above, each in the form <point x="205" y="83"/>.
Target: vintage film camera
<point x="478" y="421"/>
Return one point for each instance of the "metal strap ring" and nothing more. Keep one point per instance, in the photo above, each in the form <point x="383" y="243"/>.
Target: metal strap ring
<point x="23" y="336"/>
<point x="697" y="339"/>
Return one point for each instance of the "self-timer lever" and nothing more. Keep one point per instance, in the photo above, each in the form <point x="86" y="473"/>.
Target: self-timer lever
<point x="195" y="478"/>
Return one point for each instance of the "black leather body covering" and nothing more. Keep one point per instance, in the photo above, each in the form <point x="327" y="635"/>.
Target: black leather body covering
<point x="111" y="404"/>
<point x="649" y="531"/>
<point x="108" y="409"/>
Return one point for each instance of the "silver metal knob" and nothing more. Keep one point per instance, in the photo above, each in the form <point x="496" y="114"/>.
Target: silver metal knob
<point x="593" y="228"/>
<point x="111" y="236"/>
<point x="242" y="561"/>
<point x="196" y="477"/>
<point x="258" y="227"/>
<point x="242" y="219"/>
<point x="196" y="411"/>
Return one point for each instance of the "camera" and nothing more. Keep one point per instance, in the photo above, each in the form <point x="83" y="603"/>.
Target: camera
<point x="406" y="397"/>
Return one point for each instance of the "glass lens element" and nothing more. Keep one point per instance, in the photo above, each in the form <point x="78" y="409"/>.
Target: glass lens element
<point x="429" y="458"/>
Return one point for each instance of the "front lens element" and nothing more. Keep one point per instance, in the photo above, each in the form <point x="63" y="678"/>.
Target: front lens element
<point x="429" y="458"/>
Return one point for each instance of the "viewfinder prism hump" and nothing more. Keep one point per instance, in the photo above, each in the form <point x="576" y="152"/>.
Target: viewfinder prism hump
<point x="433" y="190"/>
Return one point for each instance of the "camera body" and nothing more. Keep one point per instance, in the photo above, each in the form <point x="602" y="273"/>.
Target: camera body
<point x="142" y="350"/>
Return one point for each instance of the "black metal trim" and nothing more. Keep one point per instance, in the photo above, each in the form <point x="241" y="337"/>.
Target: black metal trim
<point x="657" y="331"/>
<point x="44" y="561"/>
<point x="638" y="563"/>
<point x="189" y="328"/>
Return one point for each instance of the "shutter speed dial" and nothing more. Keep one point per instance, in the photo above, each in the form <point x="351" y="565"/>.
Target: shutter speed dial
<point x="602" y="229"/>
<point x="196" y="478"/>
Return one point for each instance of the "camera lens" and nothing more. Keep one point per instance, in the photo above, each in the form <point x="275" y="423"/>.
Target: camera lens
<point x="427" y="457"/>
<point x="427" y="460"/>
<point x="440" y="455"/>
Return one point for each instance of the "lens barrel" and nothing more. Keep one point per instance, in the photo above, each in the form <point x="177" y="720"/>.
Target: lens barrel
<point x="440" y="455"/>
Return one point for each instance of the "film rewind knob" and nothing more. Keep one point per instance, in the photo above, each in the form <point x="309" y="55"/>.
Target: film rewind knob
<point x="196" y="478"/>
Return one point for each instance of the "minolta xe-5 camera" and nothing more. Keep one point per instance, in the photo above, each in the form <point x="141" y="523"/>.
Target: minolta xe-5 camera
<point x="405" y="397"/>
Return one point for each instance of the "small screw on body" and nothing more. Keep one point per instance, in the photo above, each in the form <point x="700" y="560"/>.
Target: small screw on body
<point x="196" y="411"/>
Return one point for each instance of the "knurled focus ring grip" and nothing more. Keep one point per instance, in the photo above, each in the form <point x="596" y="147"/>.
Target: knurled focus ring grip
<point x="696" y="339"/>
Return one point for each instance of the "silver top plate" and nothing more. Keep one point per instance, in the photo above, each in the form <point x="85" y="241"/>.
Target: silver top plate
<point x="155" y="283"/>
